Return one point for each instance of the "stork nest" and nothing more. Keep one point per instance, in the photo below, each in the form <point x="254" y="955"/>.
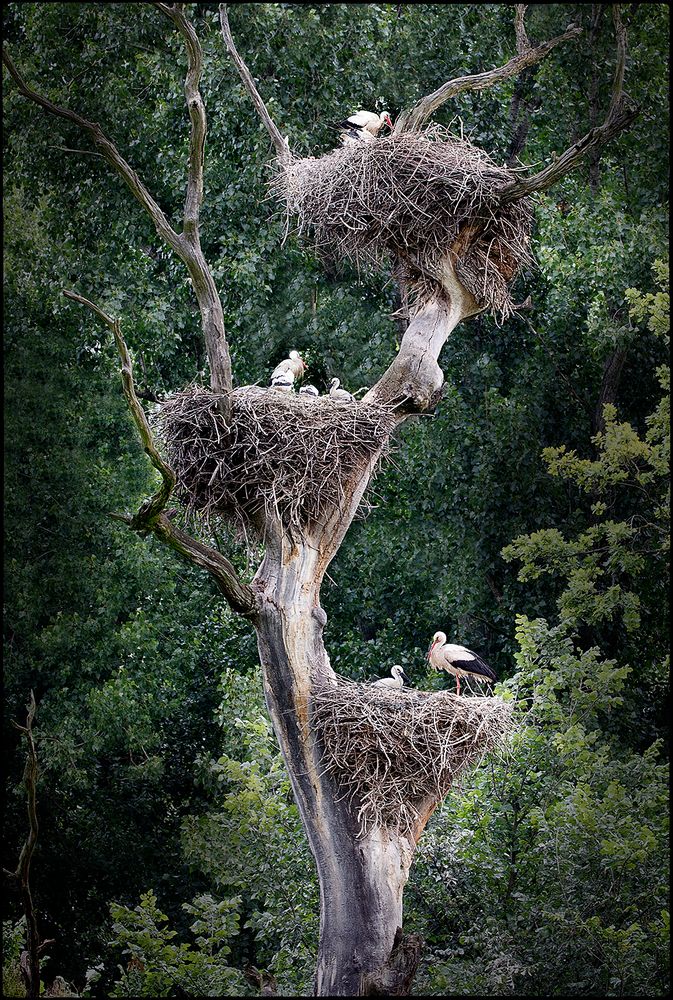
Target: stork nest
<point x="413" y="201"/>
<point x="282" y="456"/>
<point x="396" y="752"/>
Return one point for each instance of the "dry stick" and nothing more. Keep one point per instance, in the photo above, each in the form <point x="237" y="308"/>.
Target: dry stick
<point x="282" y="146"/>
<point x="152" y="517"/>
<point x="621" y="113"/>
<point x="30" y="968"/>
<point x="183" y="244"/>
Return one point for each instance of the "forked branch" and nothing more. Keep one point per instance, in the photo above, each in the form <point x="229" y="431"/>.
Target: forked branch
<point x="186" y="244"/>
<point x="621" y="113"/>
<point x="152" y="516"/>
<point x="282" y="147"/>
<point x="527" y="56"/>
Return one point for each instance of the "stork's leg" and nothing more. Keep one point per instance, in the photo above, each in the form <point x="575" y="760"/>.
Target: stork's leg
<point x="457" y="684"/>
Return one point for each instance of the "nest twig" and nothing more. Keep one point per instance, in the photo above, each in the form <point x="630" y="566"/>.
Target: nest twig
<point x="282" y="457"/>
<point x="410" y="202"/>
<point x="394" y="751"/>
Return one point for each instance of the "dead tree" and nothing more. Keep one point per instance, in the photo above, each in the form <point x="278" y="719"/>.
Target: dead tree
<point x="368" y="766"/>
<point x="29" y="960"/>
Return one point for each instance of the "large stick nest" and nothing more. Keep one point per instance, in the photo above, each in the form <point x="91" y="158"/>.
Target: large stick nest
<point x="412" y="201"/>
<point x="282" y="456"/>
<point x="394" y="753"/>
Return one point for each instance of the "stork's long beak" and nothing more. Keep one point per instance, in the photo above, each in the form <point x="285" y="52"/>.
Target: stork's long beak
<point x="388" y="120"/>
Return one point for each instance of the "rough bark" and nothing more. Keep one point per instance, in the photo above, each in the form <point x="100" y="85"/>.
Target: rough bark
<point x="612" y="374"/>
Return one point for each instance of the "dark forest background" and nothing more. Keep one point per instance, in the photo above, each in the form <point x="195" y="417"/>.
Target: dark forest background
<point x="527" y="520"/>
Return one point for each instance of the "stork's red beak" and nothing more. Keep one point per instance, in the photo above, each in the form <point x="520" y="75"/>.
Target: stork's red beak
<point x="388" y="120"/>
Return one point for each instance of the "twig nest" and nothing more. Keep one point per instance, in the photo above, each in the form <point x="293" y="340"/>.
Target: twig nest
<point x="412" y="201"/>
<point x="394" y="753"/>
<point x="282" y="457"/>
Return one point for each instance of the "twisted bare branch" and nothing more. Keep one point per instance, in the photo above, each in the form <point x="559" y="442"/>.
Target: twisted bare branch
<point x="30" y="957"/>
<point x="527" y="56"/>
<point x="197" y="115"/>
<point x="152" y="516"/>
<point x="621" y="113"/>
<point x="185" y="245"/>
<point x="522" y="42"/>
<point x="282" y="147"/>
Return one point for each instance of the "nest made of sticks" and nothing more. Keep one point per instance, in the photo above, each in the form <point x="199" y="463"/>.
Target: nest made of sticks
<point x="282" y="456"/>
<point x="392" y="752"/>
<point x="413" y="201"/>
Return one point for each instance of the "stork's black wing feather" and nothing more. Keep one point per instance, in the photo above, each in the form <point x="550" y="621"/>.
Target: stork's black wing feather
<point x="348" y="125"/>
<point x="476" y="666"/>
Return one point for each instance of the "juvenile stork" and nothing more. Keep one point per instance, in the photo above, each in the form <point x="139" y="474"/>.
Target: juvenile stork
<point x="340" y="395"/>
<point x="284" y="374"/>
<point x="308" y="390"/>
<point x="458" y="660"/>
<point x="396" y="681"/>
<point x="363" y="126"/>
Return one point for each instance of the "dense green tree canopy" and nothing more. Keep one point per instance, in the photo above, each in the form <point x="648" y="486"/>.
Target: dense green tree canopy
<point x="523" y="519"/>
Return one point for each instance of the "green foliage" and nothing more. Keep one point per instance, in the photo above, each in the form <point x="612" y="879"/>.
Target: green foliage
<point x="526" y="882"/>
<point x="613" y="571"/>
<point x="547" y="877"/>
<point x="156" y="964"/>
<point x="13" y="940"/>
<point x="252" y="843"/>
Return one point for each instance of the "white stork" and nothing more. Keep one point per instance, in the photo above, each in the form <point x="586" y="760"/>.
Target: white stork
<point x="340" y="395"/>
<point x="288" y="370"/>
<point x="284" y="382"/>
<point x="308" y="390"/>
<point x="396" y="681"/>
<point x="458" y="660"/>
<point x="363" y="126"/>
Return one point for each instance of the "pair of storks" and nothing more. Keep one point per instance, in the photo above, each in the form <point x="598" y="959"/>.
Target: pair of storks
<point x="443" y="655"/>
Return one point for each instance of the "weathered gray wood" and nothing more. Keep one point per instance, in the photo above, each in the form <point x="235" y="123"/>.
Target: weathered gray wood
<point x="362" y="951"/>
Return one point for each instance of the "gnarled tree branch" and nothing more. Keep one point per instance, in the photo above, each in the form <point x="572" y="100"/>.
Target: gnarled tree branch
<point x="621" y="113"/>
<point x="282" y="147"/>
<point x="185" y="245"/>
<point x="152" y="517"/>
<point x="522" y="41"/>
<point x="414" y="119"/>
<point x="197" y="116"/>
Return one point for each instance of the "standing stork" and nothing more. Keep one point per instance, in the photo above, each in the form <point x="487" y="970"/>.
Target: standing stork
<point x="284" y="374"/>
<point x="458" y="660"/>
<point x="363" y="126"/>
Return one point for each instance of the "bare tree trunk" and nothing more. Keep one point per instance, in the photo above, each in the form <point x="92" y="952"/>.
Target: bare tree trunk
<point x="362" y="951"/>
<point x="361" y="880"/>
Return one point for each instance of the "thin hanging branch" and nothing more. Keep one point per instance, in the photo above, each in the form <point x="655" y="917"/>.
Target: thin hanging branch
<point x="281" y="145"/>
<point x="30" y="957"/>
<point x="185" y="244"/>
<point x="413" y="120"/>
<point x="152" y="516"/>
<point x="621" y="113"/>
